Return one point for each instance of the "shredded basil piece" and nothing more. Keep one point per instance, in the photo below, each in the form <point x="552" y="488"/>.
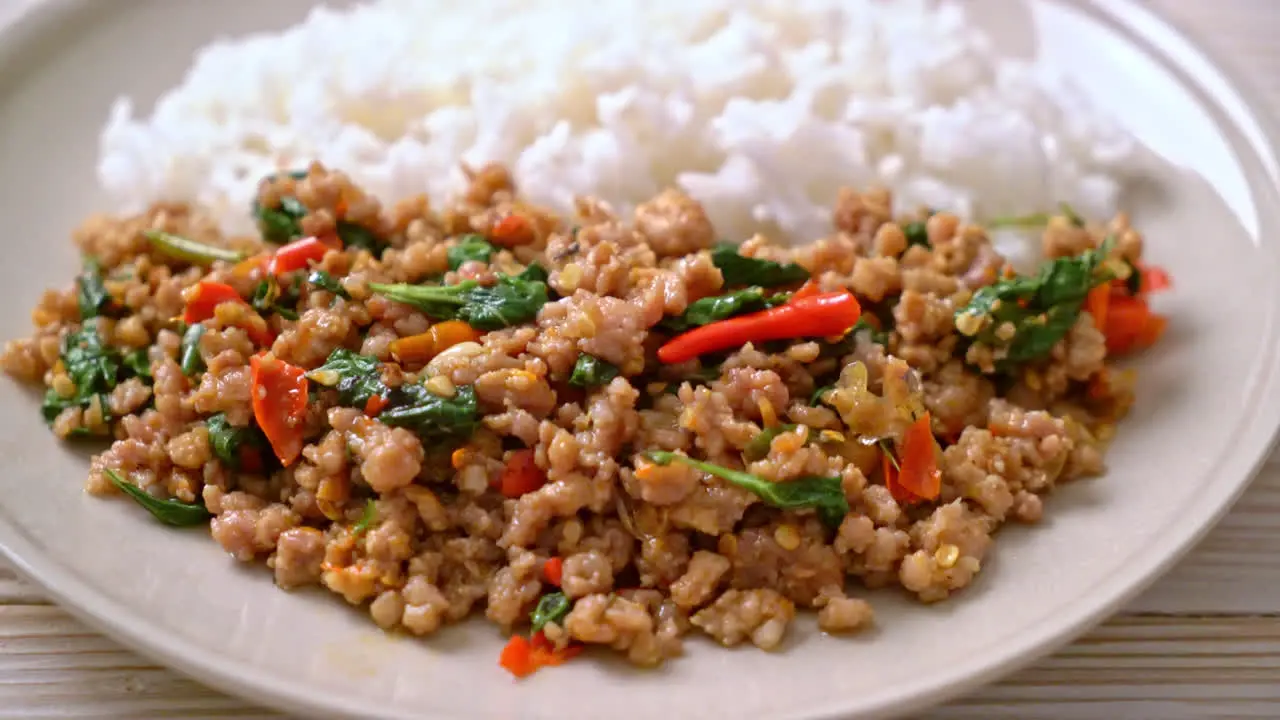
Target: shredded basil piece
<point x="1041" y="308"/>
<point x="470" y="247"/>
<point x="758" y="448"/>
<point x="917" y="233"/>
<point x="170" y="512"/>
<point x="741" y="270"/>
<point x="368" y="518"/>
<point x="95" y="369"/>
<point x="431" y="416"/>
<point x="533" y="273"/>
<point x="552" y="608"/>
<point x="356" y="377"/>
<point x="823" y="494"/>
<point x="269" y="297"/>
<point x="328" y="283"/>
<point x="819" y="395"/>
<point x="137" y="363"/>
<point x="91" y="292"/>
<point x="358" y="237"/>
<point x="591" y="371"/>
<point x="720" y="307"/>
<point x="189" y="356"/>
<point x="512" y="301"/>
<point x="227" y="440"/>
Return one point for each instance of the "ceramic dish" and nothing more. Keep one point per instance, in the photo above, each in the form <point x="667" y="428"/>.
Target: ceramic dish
<point x="1205" y="418"/>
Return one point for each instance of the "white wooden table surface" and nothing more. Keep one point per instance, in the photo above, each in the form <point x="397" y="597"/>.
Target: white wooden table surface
<point x="1203" y="643"/>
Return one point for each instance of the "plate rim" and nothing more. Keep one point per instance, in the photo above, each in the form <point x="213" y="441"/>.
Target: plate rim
<point x="20" y="32"/>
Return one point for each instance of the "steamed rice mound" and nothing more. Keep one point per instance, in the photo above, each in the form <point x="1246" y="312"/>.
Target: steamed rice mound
<point x="426" y="528"/>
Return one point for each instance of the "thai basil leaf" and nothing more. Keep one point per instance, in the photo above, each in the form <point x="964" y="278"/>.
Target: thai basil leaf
<point x="511" y="301"/>
<point x="591" y="371"/>
<point x="137" y="363"/>
<point x="470" y="247"/>
<point x="720" y="307"/>
<point x="741" y="270"/>
<point x="368" y="518"/>
<point x="227" y="440"/>
<point x="758" y="448"/>
<point x="356" y="377"/>
<point x="1041" y="308"/>
<point x="431" y="416"/>
<point x="329" y="283"/>
<point x="917" y="233"/>
<point x="189" y="355"/>
<point x="552" y="608"/>
<point x="823" y="494"/>
<point x="91" y="292"/>
<point x="169" y="512"/>
<point x="358" y="237"/>
<point x="533" y="273"/>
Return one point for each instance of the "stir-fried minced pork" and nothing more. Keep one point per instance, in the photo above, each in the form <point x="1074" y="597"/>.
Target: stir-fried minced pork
<point x="614" y="428"/>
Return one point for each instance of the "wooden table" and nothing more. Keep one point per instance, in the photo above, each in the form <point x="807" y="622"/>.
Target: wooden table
<point x="1203" y="643"/>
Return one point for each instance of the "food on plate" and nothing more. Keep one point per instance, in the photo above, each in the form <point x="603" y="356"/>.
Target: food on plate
<point x="591" y="428"/>
<point x="759" y="109"/>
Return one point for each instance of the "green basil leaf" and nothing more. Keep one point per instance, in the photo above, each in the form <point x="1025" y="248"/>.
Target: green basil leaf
<point x="359" y="237"/>
<point x="552" y="608"/>
<point x="356" y="377"/>
<point x="227" y="440"/>
<point x="91" y="292"/>
<point x="328" y="283"/>
<point x="189" y="355"/>
<point x="470" y="247"/>
<point x="823" y="494"/>
<point x="511" y="301"/>
<point x="591" y="371"/>
<point x="431" y="416"/>
<point x="367" y="519"/>
<point x="741" y="270"/>
<point x="169" y="512"/>
<point x="758" y="448"/>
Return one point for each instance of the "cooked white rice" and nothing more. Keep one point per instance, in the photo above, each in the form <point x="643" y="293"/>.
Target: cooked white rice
<point x="761" y="109"/>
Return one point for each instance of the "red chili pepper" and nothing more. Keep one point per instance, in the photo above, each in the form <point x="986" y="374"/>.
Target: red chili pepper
<point x="1097" y="302"/>
<point x="205" y="297"/>
<point x="919" y="474"/>
<point x="375" y="404"/>
<point x="298" y="255"/>
<point x="900" y="494"/>
<point x="553" y="570"/>
<point x="517" y="657"/>
<point x="511" y="231"/>
<point x="545" y="653"/>
<point x="523" y="658"/>
<point x="1154" y="279"/>
<point x="1131" y="325"/>
<point x="809" y="289"/>
<point x="825" y="315"/>
<point x="521" y="475"/>
<point x="279" y="393"/>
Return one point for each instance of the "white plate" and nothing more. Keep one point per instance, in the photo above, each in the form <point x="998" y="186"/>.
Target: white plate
<point x="1206" y="415"/>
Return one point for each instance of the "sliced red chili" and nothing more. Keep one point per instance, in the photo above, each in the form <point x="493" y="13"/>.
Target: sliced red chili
<point x="521" y="474"/>
<point x="824" y="315"/>
<point x="298" y="255"/>
<point x="553" y="570"/>
<point x="205" y="297"/>
<point x="919" y="473"/>
<point x="279" y="404"/>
